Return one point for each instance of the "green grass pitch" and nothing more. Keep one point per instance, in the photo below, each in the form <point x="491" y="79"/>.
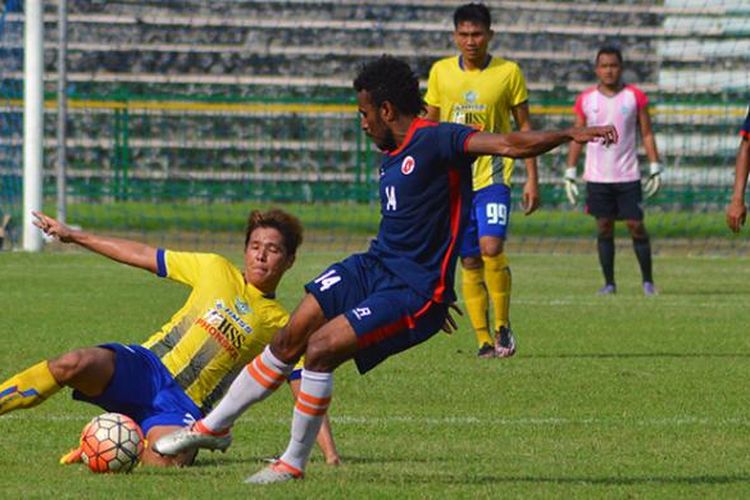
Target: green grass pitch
<point x="619" y="397"/>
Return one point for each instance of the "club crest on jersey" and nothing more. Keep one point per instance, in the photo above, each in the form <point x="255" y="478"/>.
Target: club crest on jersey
<point x="407" y="166"/>
<point x="241" y="306"/>
<point x="471" y="96"/>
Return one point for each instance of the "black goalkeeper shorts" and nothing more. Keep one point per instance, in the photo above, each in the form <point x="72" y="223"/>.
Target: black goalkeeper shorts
<point x="615" y="200"/>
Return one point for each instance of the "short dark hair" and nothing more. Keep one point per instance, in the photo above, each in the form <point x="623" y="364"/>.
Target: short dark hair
<point x="287" y="224"/>
<point x="390" y="79"/>
<point x="476" y="13"/>
<point x="609" y="49"/>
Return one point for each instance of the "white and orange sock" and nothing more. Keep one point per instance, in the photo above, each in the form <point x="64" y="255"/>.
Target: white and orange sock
<point x="260" y="378"/>
<point x="312" y="403"/>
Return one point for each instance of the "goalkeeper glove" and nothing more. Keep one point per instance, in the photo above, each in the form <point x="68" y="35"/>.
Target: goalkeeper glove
<point x="571" y="190"/>
<point x="653" y="183"/>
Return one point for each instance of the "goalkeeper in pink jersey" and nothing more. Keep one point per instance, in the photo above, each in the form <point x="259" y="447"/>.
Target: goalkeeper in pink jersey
<point x="612" y="173"/>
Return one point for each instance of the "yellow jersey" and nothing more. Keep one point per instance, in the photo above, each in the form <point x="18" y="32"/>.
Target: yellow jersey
<point x="224" y="324"/>
<point x="481" y="99"/>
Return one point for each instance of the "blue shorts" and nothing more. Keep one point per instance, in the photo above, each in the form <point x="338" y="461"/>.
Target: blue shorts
<point x="143" y="389"/>
<point x="490" y="215"/>
<point x="386" y="314"/>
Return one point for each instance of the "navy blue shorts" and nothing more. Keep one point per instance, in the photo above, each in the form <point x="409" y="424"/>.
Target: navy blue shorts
<point x="143" y="389"/>
<point x="386" y="314"/>
<point x="490" y="215"/>
<point x="615" y="200"/>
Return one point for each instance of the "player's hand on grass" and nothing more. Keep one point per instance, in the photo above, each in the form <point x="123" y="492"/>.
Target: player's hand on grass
<point x="450" y="324"/>
<point x="571" y="189"/>
<point x="530" y="201"/>
<point x="653" y="183"/>
<point x="736" y="214"/>
<point x="52" y="227"/>
<point x="606" y="134"/>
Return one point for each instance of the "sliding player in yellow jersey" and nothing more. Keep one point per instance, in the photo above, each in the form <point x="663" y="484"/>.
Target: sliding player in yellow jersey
<point x="180" y="372"/>
<point x="482" y="91"/>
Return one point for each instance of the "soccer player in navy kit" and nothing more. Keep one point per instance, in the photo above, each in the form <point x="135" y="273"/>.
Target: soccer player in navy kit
<point x="397" y="294"/>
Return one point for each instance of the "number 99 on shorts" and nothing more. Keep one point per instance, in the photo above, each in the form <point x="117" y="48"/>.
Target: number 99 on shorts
<point x="497" y="214"/>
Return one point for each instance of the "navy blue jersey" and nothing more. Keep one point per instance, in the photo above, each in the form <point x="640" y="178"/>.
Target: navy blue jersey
<point x="745" y="130"/>
<point x="425" y="197"/>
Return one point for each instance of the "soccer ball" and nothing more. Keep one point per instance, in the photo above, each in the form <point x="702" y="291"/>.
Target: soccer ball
<point x="111" y="442"/>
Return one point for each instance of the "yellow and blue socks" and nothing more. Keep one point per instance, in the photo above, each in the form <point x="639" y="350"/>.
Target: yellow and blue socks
<point x="27" y="388"/>
<point x="498" y="278"/>
<point x="477" y="303"/>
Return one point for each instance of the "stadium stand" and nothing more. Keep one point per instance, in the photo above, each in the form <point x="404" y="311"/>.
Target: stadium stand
<point x="237" y="100"/>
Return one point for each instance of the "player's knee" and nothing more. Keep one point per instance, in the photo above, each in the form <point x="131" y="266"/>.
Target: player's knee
<point x="492" y="247"/>
<point x="67" y="366"/>
<point x="606" y="231"/>
<point x="637" y="229"/>
<point x="471" y="262"/>
<point x="286" y="347"/>
<point x="320" y="354"/>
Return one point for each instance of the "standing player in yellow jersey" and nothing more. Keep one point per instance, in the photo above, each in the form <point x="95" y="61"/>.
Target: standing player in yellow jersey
<point x="482" y="91"/>
<point x="180" y="372"/>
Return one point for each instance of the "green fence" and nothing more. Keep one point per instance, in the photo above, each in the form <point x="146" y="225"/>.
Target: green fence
<point x="179" y="167"/>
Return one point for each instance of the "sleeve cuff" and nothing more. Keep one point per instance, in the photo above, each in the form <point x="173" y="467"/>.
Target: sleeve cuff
<point x="161" y="263"/>
<point x="466" y="141"/>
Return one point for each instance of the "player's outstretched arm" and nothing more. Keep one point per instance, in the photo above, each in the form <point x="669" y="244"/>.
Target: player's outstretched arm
<point x="737" y="210"/>
<point x="534" y="143"/>
<point x="126" y="251"/>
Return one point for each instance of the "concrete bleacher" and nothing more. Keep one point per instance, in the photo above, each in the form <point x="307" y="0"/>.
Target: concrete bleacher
<point x="314" y="40"/>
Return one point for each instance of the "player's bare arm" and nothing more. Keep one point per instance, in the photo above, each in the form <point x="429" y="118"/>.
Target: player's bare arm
<point x="653" y="183"/>
<point x="531" y="200"/>
<point x="737" y="210"/>
<point x="534" y="143"/>
<point x="647" y="134"/>
<point x="574" y="149"/>
<point x="574" y="152"/>
<point x="433" y="113"/>
<point x="129" y="252"/>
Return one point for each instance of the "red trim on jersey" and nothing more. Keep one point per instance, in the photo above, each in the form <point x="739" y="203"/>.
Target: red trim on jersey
<point x="641" y="99"/>
<point x="466" y="141"/>
<point x="578" y="106"/>
<point x="745" y="134"/>
<point x="384" y="332"/>
<point x="454" y="189"/>
<point x="416" y="124"/>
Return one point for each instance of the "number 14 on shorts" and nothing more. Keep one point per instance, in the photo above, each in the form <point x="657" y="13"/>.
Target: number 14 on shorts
<point x="327" y="280"/>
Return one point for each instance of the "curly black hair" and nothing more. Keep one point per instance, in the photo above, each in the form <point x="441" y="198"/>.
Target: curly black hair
<point x="390" y="79"/>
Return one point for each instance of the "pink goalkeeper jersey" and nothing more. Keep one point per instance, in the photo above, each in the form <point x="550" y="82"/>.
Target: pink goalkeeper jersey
<point x="618" y="162"/>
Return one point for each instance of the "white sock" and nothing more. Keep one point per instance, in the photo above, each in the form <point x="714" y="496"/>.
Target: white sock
<point x="312" y="404"/>
<point x="260" y="378"/>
